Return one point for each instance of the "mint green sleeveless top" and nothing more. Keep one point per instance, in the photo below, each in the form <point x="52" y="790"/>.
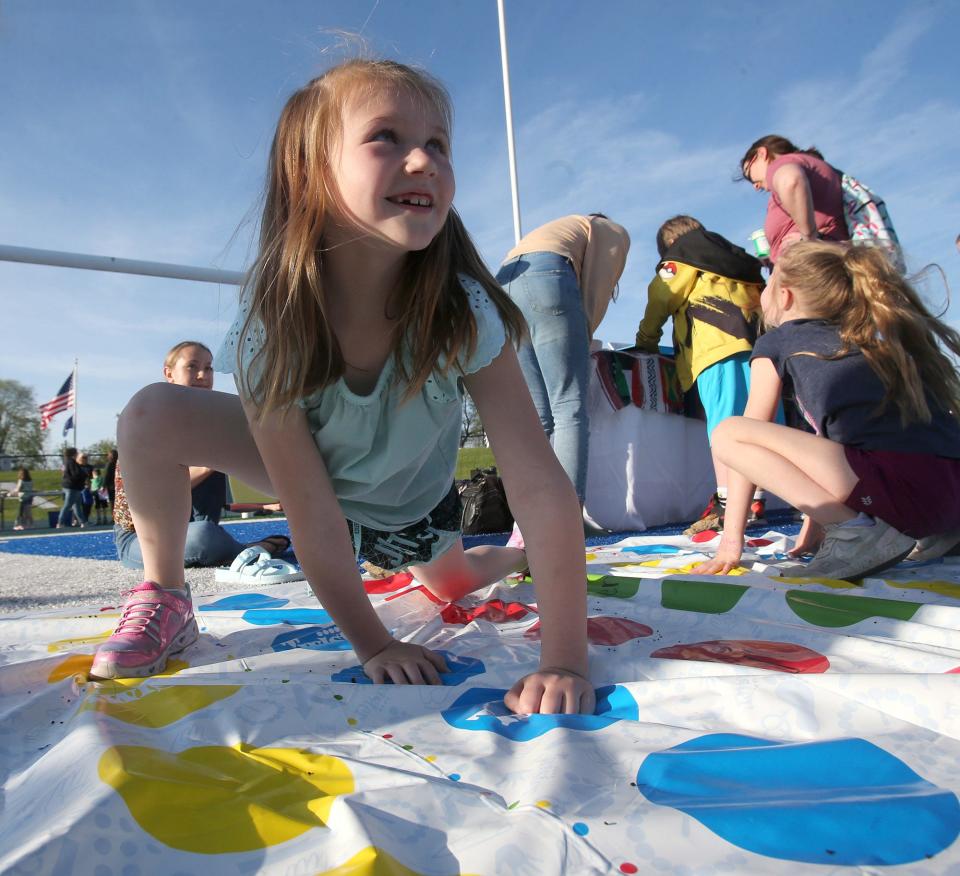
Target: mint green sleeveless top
<point x="390" y="462"/>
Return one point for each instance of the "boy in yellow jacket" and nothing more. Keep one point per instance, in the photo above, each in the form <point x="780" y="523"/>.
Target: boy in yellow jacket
<point x="711" y="289"/>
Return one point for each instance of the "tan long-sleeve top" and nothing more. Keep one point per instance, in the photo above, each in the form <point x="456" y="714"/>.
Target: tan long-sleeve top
<point x="597" y="249"/>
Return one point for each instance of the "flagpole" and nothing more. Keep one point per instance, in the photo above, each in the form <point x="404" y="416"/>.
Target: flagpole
<point x="508" y="110"/>
<point x="76" y="368"/>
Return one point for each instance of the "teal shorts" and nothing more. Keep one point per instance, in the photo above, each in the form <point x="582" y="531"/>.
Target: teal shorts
<point x="724" y="388"/>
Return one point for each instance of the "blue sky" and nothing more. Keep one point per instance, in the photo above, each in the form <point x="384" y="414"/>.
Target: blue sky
<point x="140" y="130"/>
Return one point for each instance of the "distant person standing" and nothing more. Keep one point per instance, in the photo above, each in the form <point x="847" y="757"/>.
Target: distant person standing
<point x="110" y="477"/>
<point x="25" y="492"/>
<point x="99" y="496"/>
<point x="806" y="198"/>
<point x="73" y="481"/>
<point x="562" y="276"/>
<point x="86" y="496"/>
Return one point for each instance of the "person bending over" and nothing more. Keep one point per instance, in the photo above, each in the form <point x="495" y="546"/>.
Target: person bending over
<point x="711" y="289"/>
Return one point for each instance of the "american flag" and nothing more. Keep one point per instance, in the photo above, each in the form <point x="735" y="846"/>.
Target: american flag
<point x="62" y="401"/>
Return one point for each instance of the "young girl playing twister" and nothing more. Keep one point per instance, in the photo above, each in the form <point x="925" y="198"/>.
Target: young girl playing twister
<point x="366" y="313"/>
<point x="863" y="354"/>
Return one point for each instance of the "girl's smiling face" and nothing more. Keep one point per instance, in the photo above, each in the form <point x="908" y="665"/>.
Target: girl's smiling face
<point x="194" y="367"/>
<point x="391" y="171"/>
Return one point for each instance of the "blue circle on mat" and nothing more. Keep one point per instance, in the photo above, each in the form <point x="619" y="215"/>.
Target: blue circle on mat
<point x="266" y="617"/>
<point x="242" y="601"/>
<point x="482" y="708"/>
<point x="322" y="638"/>
<point x="842" y="801"/>
<point x="652" y="549"/>
<point x="461" y="668"/>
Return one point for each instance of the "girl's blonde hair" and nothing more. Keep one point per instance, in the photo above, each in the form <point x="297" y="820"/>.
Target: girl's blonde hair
<point x="174" y="353"/>
<point x="300" y="353"/>
<point x="880" y="313"/>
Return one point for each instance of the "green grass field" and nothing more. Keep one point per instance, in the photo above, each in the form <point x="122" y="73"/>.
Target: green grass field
<point x="468" y="458"/>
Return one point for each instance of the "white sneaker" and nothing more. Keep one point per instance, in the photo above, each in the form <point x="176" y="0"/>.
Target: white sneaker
<point x="851" y="552"/>
<point x="946" y="544"/>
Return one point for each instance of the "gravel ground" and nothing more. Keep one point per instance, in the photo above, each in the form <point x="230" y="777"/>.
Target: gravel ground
<point x="38" y="582"/>
<point x="36" y="578"/>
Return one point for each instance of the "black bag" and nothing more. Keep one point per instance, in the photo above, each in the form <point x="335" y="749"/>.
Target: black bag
<point x="485" y="506"/>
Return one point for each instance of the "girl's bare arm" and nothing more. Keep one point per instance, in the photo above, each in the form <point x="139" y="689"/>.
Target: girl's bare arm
<point x="317" y="526"/>
<point x="765" y="388"/>
<point x="545" y="506"/>
<point x="792" y="188"/>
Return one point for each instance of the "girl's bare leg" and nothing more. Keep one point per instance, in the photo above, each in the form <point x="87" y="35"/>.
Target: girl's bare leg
<point x="810" y="472"/>
<point x="720" y="470"/>
<point x="459" y="572"/>
<point x="164" y="429"/>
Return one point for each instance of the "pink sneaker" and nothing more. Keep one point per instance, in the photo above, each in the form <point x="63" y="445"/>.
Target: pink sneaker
<point x="155" y="624"/>
<point x="516" y="539"/>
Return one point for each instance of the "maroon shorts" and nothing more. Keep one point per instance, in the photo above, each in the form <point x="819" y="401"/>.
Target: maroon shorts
<point x="915" y="493"/>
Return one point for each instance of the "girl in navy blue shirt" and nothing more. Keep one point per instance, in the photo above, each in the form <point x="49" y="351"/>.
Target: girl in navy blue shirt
<point x="864" y="357"/>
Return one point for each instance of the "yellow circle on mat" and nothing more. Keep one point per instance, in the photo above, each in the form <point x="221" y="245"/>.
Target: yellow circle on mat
<point x="215" y="799"/>
<point x="944" y="588"/>
<point x="372" y="861"/>
<point x="544" y="804"/>
<point x="75" y="664"/>
<point x="160" y="707"/>
<point x="67" y="644"/>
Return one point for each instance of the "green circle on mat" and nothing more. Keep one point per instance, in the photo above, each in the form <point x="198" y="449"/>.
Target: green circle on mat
<point x="706" y="597"/>
<point x="835" y="610"/>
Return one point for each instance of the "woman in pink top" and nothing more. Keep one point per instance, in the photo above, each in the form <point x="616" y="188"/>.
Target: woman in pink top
<point x="806" y="201"/>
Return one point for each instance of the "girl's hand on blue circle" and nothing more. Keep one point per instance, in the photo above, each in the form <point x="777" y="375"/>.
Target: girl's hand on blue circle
<point x="552" y="691"/>
<point x="405" y="663"/>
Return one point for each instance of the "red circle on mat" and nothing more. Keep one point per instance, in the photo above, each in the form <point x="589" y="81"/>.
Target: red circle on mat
<point x="706" y="535"/>
<point x="388" y="585"/>
<point x="495" y="610"/>
<point x="759" y="542"/>
<point x="776" y="656"/>
<point x="628" y="868"/>
<point x="605" y="630"/>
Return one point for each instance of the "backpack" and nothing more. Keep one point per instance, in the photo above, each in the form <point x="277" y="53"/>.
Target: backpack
<point x="485" y="506"/>
<point x="868" y="221"/>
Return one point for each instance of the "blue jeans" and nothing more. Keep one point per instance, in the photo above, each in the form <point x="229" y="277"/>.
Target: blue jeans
<point x="208" y="544"/>
<point x="556" y="358"/>
<point x="72" y="499"/>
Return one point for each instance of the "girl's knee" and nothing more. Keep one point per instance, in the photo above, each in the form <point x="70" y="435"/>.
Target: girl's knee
<point x="448" y="587"/>
<point x="151" y="401"/>
<point x="726" y="436"/>
<point x="150" y="412"/>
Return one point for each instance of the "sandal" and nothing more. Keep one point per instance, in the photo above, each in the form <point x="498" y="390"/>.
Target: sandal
<point x="272" y="544"/>
<point x="255" y="566"/>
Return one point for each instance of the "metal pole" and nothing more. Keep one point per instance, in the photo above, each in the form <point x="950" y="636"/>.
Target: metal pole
<point x="76" y="396"/>
<point x="121" y="266"/>
<point x="511" y="150"/>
